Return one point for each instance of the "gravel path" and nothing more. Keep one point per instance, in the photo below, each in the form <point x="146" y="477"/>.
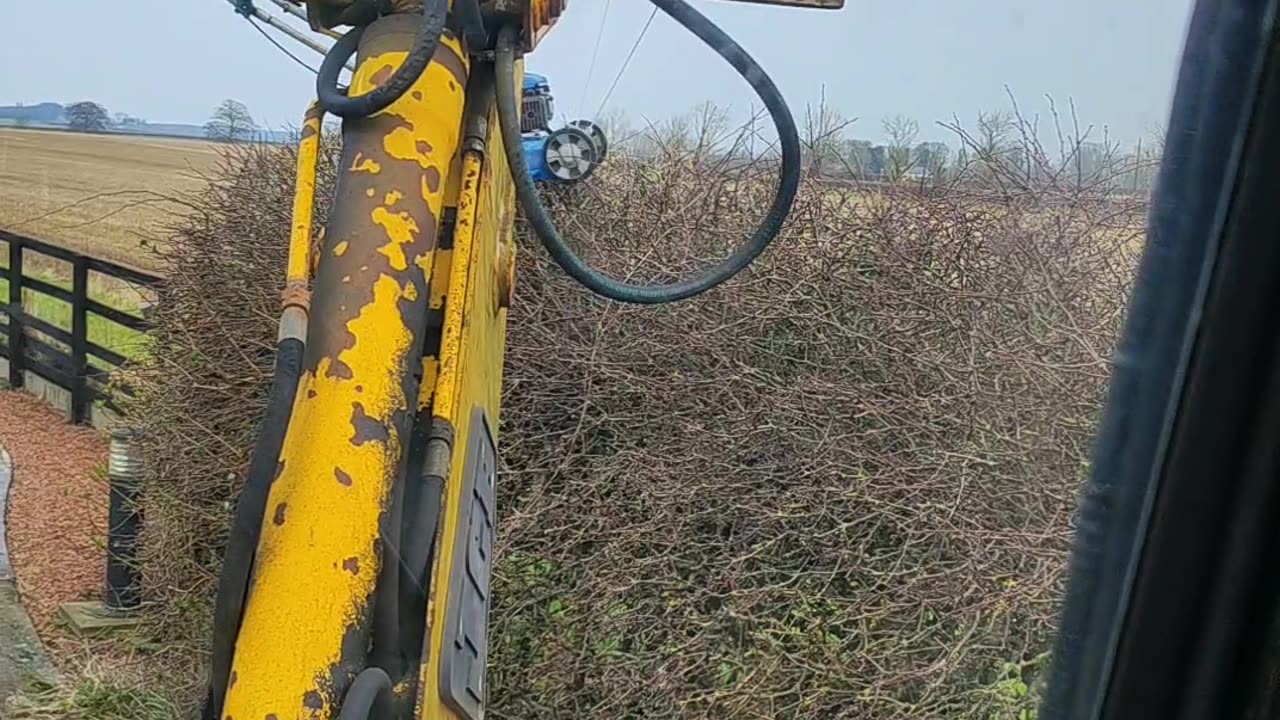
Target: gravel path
<point x="57" y="511"/>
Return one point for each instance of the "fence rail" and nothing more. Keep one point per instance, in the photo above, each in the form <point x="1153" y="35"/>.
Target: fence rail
<point x="32" y="344"/>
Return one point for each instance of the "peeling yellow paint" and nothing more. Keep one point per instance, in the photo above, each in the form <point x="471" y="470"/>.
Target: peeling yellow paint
<point x="470" y="370"/>
<point x="451" y="341"/>
<point x="403" y="144"/>
<point x="304" y="195"/>
<point x="430" y="372"/>
<point x="431" y="131"/>
<point x="362" y="164"/>
<point x="316" y="568"/>
<point x="424" y="262"/>
<point x="326" y="522"/>
<point x="401" y="230"/>
<point x="440" y="278"/>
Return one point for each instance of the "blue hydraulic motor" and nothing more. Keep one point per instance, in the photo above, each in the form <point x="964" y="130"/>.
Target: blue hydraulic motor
<point x="566" y="155"/>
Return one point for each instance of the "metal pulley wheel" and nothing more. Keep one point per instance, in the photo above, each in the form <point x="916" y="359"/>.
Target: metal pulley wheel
<point x="597" y="136"/>
<point x="571" y="155"/>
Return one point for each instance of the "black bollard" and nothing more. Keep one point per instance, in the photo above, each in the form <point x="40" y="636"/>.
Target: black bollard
<point x="124" y="586"/>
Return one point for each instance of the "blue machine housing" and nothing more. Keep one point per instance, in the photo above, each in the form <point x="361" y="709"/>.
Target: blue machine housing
<point x="536" y="124"/>
<point x="538" y="113"/>
<point x="535" y="155"/>
<point x="534" y="81"/>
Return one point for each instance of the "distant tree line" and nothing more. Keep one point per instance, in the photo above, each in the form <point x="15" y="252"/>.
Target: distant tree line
<point x="88" y="116"/>
<point x="231" y="120"/>
<point x="999" y="145"/>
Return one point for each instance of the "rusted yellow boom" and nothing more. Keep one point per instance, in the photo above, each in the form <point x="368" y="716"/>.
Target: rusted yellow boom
<point x="366" y="592"/>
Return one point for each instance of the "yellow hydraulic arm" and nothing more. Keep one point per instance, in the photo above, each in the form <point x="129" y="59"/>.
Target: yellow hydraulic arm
<point x="356" y="580"/>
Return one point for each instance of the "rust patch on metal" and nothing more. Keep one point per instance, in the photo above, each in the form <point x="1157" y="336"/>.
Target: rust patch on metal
<point x="352" y="245"/>
<point x="352" y="565"/>
<point x="272" y="716"/>
<point x="355" y="241"/>
<point x="432" y="178"/>
<point x="278" y="517"/>
<point x="452" y="62"/>
<point x="279" y="469"/>
<point x="382" y="75"/>
<point x="366" y="429"/>
<point x="311" y="393"/>
<point x="234" y="677"/>
<point x="339" y="369"/>
<point x="423" y="147"/>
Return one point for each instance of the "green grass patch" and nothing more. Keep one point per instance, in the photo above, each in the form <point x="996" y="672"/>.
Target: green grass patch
<point x="91" y="698"/>
<point x="130" y="343"/>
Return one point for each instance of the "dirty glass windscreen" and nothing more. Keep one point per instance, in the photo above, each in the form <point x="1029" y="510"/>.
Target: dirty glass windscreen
<point x="841" y="484"/>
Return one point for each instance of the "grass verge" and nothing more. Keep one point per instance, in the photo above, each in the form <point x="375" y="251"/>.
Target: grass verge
<point x="130" y="343"/>
<point x="92" y="697"/>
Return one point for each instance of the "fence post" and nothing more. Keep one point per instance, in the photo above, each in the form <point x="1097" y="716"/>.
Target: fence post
<point x="79" y="339"/>
<point x="17" y="336"/>
<point x="124" y="586"/>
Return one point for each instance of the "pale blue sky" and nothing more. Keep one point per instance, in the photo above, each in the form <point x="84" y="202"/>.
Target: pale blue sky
<point x="173" y="60"/>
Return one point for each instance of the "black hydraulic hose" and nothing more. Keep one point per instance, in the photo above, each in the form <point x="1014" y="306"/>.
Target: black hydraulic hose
<point x="335" y="101"/>
<point x="246" y="525"/>
<point x="544" y="226"/>
<point x="386" y="601"/>
<point x="370" y="686"/>
<point x="473" y="30"/>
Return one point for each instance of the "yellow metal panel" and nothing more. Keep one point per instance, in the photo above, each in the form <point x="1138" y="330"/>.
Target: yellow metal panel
<point x="470" y="373"/>
<point x="308" y="611"/>
<point x="304" y="196"/>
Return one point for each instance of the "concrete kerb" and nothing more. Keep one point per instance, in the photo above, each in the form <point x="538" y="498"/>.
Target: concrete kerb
<point x="22" y="657"/>
<point x="6" y="479"/>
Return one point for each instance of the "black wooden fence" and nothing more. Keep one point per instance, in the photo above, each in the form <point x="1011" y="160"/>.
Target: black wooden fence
<point x="61" y="355"/>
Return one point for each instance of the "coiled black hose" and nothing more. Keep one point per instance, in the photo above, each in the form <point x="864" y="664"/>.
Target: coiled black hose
<point x="544" y="226"/>
<point x="335" y="101"/>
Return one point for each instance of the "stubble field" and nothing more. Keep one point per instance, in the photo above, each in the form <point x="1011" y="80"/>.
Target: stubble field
<point x="98" y="194"/>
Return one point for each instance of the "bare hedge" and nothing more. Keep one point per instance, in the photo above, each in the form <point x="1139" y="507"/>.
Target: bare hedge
<point x="839" y="487"/>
